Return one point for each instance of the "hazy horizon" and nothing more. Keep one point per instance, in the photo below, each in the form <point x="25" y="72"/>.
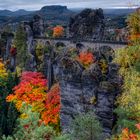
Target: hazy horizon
<point x="37" y="4"/>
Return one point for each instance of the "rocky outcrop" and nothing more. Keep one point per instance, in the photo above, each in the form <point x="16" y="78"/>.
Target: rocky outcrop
<point x="33" y="29"/>
<point x="8" y="52"/>
<point x="38" y="26"/>
<point x="31" y="61"/>
<point x="88" y="24"/>
<point x="9" y="40"/>
<point x="92" y="89"/>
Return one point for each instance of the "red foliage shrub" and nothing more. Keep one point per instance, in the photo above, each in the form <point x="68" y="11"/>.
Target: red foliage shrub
<point x="13" y="51"/>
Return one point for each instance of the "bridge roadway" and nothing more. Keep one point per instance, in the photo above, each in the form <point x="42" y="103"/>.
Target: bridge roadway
<point x="86" y="43"/>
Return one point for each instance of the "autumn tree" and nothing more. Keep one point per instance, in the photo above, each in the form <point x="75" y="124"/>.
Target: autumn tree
<point x="86" y="59"/>
<point x="134" y="26"/>
<point x="32" y="90"/>
<point x="58" y="31"/>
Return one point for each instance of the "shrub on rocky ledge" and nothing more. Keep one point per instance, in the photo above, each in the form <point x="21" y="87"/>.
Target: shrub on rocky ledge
<point x="86" y="59"/>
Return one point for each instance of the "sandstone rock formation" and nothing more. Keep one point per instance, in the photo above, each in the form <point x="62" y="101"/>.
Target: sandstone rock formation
<point x="88" y="24"/>
<point x="91" y="89"/>
<point x="38" y="26"/>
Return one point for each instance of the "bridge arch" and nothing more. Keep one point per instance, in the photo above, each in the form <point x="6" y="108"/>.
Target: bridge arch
<point x="80" y="46"/>
<point x="47" y="43"/>
<point x="60" y="44"/>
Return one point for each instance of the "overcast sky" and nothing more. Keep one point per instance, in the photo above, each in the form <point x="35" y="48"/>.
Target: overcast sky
<point x="37" y="4"/>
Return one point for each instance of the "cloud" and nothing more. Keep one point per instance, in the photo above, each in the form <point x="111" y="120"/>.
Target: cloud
<point x="37" y="4"/>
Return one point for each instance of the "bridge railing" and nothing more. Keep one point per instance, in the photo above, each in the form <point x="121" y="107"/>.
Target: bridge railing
<point x="84" y="40"/>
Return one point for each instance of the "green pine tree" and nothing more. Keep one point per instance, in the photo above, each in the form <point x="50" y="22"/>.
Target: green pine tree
<point x="86" y="127"/>
<point x="8" y="113"/>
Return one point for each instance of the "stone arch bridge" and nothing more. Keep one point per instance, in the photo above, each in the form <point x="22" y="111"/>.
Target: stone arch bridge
<point x="86" y="43"/>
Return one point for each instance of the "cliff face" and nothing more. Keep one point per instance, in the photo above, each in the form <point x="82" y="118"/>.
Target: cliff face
<point x="87" y="24"/>
<point x="7" y="54"/>
<point x="92" y="89"/>
<point x="38" y="26"/>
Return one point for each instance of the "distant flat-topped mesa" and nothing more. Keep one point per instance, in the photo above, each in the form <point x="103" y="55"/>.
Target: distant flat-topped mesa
<point x="54" y="8"/>
<point x="87" y="24"/>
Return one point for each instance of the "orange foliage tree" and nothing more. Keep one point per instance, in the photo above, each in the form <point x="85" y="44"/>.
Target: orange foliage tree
<point x="126" y="134"/>
<point x="86" y="59"/>
<point x="32" y="90"/>
<point x="58" y="31"/>
<point x="52" y="106"/>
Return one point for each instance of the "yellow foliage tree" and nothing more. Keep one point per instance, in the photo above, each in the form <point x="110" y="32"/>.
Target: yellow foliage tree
<point x="3" y="73"/>
<point x="134" y="26"/>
